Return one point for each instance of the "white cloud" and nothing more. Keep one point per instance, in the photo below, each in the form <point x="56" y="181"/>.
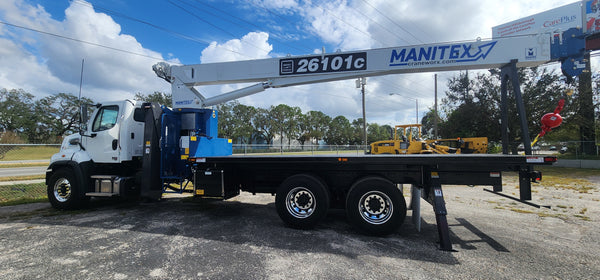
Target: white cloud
<point x="338" y="24"/>
<point x="253" y="45"/>
<point x="20" y="69"/>
<point x="44" y="64"/>
<point x="277" y="4"/>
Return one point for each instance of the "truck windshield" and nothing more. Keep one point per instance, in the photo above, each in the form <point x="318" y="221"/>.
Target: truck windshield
<point x="106" y="118"/>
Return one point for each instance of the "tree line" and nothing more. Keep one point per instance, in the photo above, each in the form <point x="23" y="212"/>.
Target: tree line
<point x="46" y="120"/>
<point x="246" y="124"/>
<point x="23" y="119"/>
<point x="470" y="108"/>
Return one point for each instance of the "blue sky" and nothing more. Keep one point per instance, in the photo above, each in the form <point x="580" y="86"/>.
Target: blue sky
<point x="204" y="21"/>
<point x="136" y="34"/>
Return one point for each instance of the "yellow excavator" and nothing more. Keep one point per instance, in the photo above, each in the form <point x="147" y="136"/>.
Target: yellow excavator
<point x="407" y="140"/>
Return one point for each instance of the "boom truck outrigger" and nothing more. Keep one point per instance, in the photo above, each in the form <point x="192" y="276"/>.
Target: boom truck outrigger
<point x="130" y="148"/>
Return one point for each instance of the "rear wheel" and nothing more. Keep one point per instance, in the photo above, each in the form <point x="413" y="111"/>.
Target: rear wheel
<point x="302" y="201"/>
<point x="64" y="191"/>
<point x="375" y="206"/>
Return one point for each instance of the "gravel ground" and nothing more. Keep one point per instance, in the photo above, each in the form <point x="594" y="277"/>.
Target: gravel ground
<point x="243" y="238"/>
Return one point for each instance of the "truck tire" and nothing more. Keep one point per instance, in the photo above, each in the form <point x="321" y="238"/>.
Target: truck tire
<point x="302" y="201"/>
<point x="375" y="206"/>
<point x="64" y="190"/>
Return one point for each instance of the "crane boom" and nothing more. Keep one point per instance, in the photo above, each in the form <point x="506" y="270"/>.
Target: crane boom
<point x="527" y="51"/>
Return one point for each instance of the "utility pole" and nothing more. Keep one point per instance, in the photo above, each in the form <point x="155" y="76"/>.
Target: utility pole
<point x="435" y="111"/>
<point x="587" y="133"/>
<point x="360" y="83"/>
<point x="417" y="110"/>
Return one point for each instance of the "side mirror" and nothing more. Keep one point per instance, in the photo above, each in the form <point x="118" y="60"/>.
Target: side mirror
<point x="83" y="118"/>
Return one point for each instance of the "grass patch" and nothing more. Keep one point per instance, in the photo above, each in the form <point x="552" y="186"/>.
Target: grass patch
<point x="585" y="218"/>
<point x="568" y="178"/>
<point x="540" y="214"/>
<point x="20" y="194"/>
<point x="24" y="201"/>
<point x="568" y="172"/>
<point x="23" y="164"/>
<point x="22" y="178"/>
<point x="559" y="216"/>
<point x="31" y="152"/>
<point x="522" y="211"/>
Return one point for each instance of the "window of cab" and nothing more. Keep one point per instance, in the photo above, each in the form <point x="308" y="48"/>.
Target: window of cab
<point x="106" y="118"/>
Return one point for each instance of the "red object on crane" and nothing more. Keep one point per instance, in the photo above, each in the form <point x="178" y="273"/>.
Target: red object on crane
<point x="552" y="120"/>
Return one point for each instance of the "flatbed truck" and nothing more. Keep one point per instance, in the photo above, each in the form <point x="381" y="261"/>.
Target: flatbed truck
<point x="141" y="150"/>
<point x="157" y="157"/>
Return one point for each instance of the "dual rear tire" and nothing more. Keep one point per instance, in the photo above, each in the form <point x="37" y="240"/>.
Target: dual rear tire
<point x="302" y="201"/>
<point x="373" y="205"/>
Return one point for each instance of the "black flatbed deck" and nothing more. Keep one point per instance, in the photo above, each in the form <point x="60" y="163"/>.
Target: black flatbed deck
<point x="426" y="174"/>
<point x="340" y="170"/>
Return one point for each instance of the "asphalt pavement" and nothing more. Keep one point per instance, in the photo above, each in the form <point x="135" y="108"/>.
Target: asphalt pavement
<point x="22" y="171"/>
<point x="244" y="239"/>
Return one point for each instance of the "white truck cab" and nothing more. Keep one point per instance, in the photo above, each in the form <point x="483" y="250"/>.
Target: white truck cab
<point x="113" y="134"/>
<point x="104" y="155"/>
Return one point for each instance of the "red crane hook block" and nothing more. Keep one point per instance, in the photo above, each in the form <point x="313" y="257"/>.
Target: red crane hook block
<point x="552" y="120"/>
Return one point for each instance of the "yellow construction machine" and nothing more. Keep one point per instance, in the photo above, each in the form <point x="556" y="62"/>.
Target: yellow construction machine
<point x="407" y="140"/>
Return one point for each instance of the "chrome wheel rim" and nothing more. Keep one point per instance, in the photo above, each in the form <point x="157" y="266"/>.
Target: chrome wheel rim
<point x="375" y="207"/>
<point x="62" y="190"/>
<point x="300" y="202"/>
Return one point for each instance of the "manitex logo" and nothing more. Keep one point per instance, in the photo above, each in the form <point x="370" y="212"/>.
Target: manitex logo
<point x="184" y="102"/>
<point x="441" y="54"/>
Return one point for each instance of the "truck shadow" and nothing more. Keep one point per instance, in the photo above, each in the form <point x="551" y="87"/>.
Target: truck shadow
<point x="248" y="224"/>
<point x="480" y="237"/>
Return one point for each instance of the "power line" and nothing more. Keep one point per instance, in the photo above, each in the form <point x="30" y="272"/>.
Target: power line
<point x="388" y="18"/>
<point x="175" y="33"/>
<point x="379" y="24"/>
<point x="80" y="41"/>
<point x="361" y="30"/>
<point x="244" y="21"/>
<point x="354" y="27"/>
<point x="281" y="17"/>
<point x="213" y="25"/>
<point x="169" y="31"/>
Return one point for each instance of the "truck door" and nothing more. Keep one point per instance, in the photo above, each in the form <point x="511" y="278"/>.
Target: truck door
<point x="103" y="143"/>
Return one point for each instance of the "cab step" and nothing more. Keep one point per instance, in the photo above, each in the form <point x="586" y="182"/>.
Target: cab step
<point x="101" y="194"/>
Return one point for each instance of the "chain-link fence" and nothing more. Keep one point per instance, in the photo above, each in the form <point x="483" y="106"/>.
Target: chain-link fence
<point x="567" y="149"/>
<point x="23" y="166"/>
<point x="246" y="149"/>
<point x="22" y="171"/>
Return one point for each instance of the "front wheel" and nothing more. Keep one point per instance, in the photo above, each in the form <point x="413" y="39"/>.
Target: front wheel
<point x="375" y="206"/>
<point x="64" y="191"/>
<point x="302" y="201"/>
